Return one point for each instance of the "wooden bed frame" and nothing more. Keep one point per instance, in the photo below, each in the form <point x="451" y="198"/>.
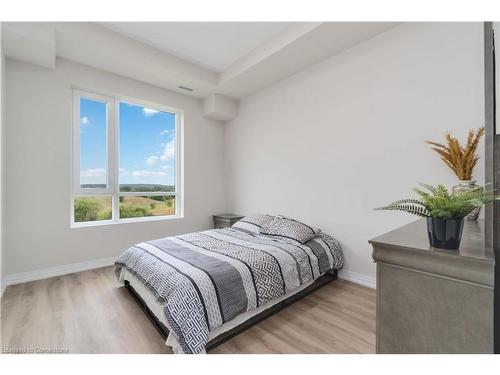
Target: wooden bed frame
<point x="222" y="338"/>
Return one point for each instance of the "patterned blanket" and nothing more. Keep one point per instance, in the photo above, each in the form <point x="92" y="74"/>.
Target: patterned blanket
<point x="205" y="279"/>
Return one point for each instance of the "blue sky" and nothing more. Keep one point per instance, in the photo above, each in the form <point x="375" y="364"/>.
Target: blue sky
<point x="146" y="144"/>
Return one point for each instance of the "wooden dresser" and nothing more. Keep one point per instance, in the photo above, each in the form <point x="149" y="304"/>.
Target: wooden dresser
<point x="431" y="300"/>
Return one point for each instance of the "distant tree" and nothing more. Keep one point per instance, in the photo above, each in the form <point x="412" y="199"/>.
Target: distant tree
<point x="170" y="199"/>
<point x="104" y="215"/>
<point x="159" y="198"/>
<point x="132" y="210"/>
<point x="87" y="209"/>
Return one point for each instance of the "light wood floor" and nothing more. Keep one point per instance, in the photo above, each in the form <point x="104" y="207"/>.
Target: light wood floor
<point x="85" y="313"/>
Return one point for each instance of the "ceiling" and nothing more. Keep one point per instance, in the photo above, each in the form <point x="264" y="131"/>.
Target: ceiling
<point x="228" y="59"/>
<point x="212" y="45"/>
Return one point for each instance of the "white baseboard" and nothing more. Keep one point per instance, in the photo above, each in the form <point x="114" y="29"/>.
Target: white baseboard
<point x="358" y="278"/>
<point x="24" y="277"/>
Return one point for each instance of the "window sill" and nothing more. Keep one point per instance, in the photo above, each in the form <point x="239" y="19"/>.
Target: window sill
<point x="124" y="221"/>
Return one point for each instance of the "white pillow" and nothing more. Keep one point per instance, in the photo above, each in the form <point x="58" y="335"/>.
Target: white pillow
<point x="252" y="223"/>
<point x="292" y="229"/>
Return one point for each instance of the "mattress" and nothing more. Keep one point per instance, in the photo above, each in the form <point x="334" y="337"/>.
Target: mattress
<point x="172" y="341"/>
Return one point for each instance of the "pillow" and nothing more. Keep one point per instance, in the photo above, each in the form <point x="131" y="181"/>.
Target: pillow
<point x="252" y="223"/>
<point x="284" y="227"/>
<point x="333" y="259"/>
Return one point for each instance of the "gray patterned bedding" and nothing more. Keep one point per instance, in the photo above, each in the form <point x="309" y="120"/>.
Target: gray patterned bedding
<point x="205" y="279"/>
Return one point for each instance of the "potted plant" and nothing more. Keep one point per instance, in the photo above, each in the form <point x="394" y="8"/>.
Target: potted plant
<point x="461" y="159"/>
<point x="444" y="211"/>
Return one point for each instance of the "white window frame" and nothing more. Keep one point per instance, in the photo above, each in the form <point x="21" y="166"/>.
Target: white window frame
<point x="113" y="155"/>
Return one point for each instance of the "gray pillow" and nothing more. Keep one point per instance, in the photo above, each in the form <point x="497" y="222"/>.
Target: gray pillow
<point x="252" y="223"/>
<point x="291" y="229"/>
<point x="328" y="242"/>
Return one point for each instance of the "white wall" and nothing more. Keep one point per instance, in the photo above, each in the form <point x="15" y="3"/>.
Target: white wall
<point x="325" y="146"/>
<point x="329" y="144"/>
<point x="38" y="166"/>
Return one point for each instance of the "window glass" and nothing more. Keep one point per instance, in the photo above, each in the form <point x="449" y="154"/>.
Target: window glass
<point x="147" y="149"/>
<point x="92" y="208"/>
<point x="93" y="144"/>
<point x="141" y="206"/>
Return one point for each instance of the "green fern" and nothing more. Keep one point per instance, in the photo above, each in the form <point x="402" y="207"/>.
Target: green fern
<point x="431" y="188"/>
<point x="411" y="209"/>
<point x="440" y="203"/>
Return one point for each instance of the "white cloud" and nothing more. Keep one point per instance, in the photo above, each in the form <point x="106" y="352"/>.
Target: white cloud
<point x="149" y="112"/>
<point x="148" y="174"/>
<point x="124" y="172"/>
<point x="164" y="132"/>
<point x="93" y="173"/>
<point x="169" y="151"/>
<point x="152" y="160"/>
<point x="85" y="120"/>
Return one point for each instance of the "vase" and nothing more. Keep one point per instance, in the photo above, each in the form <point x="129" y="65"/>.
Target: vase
<point x="445" y="233"/>
<point x="466" y="185"/>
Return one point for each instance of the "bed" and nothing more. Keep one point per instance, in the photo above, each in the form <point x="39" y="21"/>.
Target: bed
<point x="202" y="288"/>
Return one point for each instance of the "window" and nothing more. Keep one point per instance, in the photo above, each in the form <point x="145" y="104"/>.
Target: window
<point x="126" y="161"/>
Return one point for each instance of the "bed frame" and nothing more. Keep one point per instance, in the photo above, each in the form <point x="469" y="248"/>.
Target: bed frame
<point x="222" y="338"/>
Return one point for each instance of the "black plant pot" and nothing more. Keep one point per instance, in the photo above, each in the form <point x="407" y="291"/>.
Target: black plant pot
<point x="445" y="233"/>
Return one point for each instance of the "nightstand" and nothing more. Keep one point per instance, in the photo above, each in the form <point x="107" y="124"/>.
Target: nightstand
<point x="225" y="220"/>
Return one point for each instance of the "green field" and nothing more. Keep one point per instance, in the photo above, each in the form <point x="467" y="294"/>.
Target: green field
<point x="100" y="208"/>
<point x="92" y="209"/>
<point x="146" y="206"/>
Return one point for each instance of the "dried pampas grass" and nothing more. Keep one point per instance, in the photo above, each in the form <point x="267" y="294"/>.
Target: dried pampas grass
<point x="461" y="159"/>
